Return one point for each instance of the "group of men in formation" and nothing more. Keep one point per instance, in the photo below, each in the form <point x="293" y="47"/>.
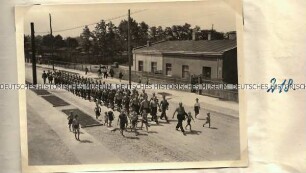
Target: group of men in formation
<point x="134" y="107"/>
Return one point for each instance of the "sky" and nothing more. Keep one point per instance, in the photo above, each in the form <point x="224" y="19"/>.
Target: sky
<point x="220" y="13"/>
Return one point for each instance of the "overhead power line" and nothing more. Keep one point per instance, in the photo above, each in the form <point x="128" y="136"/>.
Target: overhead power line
<point x="81" y="26"/>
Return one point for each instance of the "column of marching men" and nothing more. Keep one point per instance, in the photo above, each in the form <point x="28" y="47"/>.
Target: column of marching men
<point x="133" y="106"/>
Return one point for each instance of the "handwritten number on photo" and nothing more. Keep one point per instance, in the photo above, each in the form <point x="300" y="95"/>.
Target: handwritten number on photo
<point x="282" y="86"/>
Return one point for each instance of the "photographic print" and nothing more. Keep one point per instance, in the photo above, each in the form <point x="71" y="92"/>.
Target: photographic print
<point x="131" y="86"/>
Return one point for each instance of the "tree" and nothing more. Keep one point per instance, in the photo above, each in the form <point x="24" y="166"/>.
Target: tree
<point x="47" y="41"/>
<point x="160" y="33"/>
<point x="114" y="40"/>
<point x="59" y="42"/>
<point x="100" y="35"/>
<point x="85" y="40"/>
<point x="71" y="42"/>
<point x="168" y="33"/>
<point x="38" y="42"/>
<point x="181" y="32"/>
<point x="186" y="32"/>
<point x="152" y="33"/>
<point x="143" y="33"/>
<point x="123" y="26"/>
<point x="157" y="34"/>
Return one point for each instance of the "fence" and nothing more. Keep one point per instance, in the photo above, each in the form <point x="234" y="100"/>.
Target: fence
<point x="215" y="88"/>
<point x="213" y="91"/>
<point x="75" y="66"/>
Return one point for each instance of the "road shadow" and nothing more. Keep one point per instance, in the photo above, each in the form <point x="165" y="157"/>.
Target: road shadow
<point x="74" y="132"/>
<point x="129" y="131"/>
<point x="156" y="124"/>
<point x="132" y="137"/>
<point x="163" y="122"/>
<point x="200" y="118"/>
<point x="214" y="128"/>
<point x="142" y="134"/>
<point x="193" y="132"/>
<point x="172" y="120"/>
<point x="86" y="141"/>
<point x="152" y="131"/>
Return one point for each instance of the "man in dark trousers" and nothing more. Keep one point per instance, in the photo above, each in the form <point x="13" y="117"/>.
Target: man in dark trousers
<point x="154" y="104"/>
<point x="76" y="127"/>
<point x="145" y="105"/>
<point x="180" y="117"/>
<point x="120" y="76"/>
<point x="164" y="107"/>
<point x="70" y="120"/>
<point x="44" y="76"/>
<point x="50" y="77"/>
<point x="110" y="118"/>
<point x="97" y="110"/>
<point x="123" y="120"/>
<point x="86" y="71"/>
<point x="134" y="120"/>
<point x="111" y="72"/>
<point x="144" y="120"/>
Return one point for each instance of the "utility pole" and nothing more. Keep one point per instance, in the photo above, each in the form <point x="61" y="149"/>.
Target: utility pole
<point x="129" y="50"/>
<point x="52" y="59"/>
<point x="33" y="54"/>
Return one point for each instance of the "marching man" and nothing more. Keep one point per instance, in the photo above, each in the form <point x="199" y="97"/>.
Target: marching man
<point x="180" y="117"/>
<point x="97" y="110"/>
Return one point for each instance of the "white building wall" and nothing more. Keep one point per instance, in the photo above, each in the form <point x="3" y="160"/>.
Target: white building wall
<point x="147" y="59"/>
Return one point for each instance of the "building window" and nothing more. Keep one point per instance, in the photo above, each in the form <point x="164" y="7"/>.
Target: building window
<point x="185" y="71"/>
<point x="168" y="69"/>
<point x="153" y="67"/>
<point x="206" y="72"/>
<point x="140" y="65"/>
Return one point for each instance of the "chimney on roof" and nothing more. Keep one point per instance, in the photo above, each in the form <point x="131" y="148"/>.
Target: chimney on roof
<point x="210" y="33"/>
<point x="232" y="35"/>
<point x="194" y="34"/>
<point x="209" y="36"/>
<point x="149" y="43"/>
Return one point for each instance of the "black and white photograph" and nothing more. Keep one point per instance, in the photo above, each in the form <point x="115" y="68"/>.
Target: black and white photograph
<point x="132" y="86"/>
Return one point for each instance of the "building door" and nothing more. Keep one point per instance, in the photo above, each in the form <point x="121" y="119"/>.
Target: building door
<point x="185" y="71"/>
<point x="206" y="72"/>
